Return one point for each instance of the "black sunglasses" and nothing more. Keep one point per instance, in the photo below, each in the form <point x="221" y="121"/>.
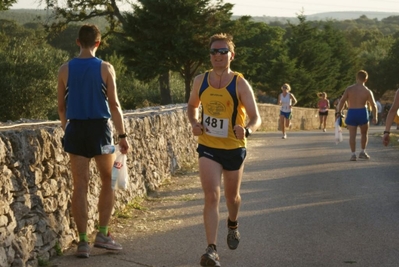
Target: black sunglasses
<point x="222" y="51"/>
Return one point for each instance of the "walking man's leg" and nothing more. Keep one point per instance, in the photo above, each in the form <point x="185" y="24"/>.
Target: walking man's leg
<point x="80" y="176"/>
<point x="364" y="131"/>
<point x="352" y="141"/>
<point x="105" y="203"/>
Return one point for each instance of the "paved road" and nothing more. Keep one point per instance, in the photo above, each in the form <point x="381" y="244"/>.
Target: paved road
<point x="304" y="205"/>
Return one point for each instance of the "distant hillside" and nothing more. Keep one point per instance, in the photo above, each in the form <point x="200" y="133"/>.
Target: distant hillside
<point x="351" y="15"/>
<point x="339" y="15"/>
<point x="29" y="15"/>
<point x="23" y="16"/>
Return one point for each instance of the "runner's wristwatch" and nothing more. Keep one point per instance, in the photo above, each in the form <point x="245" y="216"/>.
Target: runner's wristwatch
<point x="248" y="132"/>
<point x="122" y="136"/>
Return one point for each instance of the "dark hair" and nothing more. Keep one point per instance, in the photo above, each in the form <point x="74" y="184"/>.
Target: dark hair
<point x="89" y="34"/>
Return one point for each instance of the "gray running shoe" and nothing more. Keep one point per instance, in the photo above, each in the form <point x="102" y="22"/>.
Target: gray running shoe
<point x="233" y="238"/>
<point x="106" y="242"/>
<point x="210" y="258"/>
<point x="353" y="158"/>
<point x="83" y="250"/>
<point x="363" y="155"/>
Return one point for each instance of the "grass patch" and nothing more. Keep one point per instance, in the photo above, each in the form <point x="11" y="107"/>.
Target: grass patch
<point x="183" y="198"/>
<point x="126" y="212"/>
<point x="136" y="204"/>
<point x="42" y="262"/>
<point x="58" y="249"/>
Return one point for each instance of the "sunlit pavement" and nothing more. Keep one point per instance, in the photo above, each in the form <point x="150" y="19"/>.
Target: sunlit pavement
<point x="304" y="204"/>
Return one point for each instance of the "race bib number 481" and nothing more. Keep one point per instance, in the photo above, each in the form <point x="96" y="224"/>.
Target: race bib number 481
<point x="217" y="127"/>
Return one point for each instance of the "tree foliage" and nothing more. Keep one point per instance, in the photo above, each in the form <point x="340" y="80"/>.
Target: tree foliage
<point x="390" y="67"/>
<point x="82" y="10"/>
<point x="28" y="70"/>
<point x="323" y="61"/>
<point x="168" y="35"/>
<point x="6" y="4"/>
<point x="260" y="50"/>
<point x="170" y="38"/>
<point x="372" y="55"/>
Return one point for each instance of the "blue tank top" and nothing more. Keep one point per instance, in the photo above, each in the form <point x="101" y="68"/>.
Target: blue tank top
<point x="86" y="93"/>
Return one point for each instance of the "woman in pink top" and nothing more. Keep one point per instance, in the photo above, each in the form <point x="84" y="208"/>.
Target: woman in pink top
<point x="323" y="105"/>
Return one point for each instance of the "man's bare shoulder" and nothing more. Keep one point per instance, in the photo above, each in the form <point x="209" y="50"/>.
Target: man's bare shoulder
<point x="198" y="80"/>
<point x="350" y="86"/>
<point x="63" y="71"/>
<point x="107" y="65"/>
<point x="368" y="89"/>
<point x="199" y="76"/>
<point x="357" y="88"/>
<point x="64" y="67"/>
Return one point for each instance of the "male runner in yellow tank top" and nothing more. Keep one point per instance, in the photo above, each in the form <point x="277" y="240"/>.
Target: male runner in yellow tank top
<point x="228" y="116"/>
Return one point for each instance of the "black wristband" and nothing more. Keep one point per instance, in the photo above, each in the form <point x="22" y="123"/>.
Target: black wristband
<point x="122" y="136"/>
<point x="247" y="132"/>
<point x="386" y="132"/>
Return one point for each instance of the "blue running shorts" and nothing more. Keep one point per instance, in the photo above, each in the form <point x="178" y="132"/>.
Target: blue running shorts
<point x="287" y="115"/>
<point x="357" y="116"/>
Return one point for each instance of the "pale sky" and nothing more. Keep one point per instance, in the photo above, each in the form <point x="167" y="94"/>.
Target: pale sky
<point x="286" y="8"/>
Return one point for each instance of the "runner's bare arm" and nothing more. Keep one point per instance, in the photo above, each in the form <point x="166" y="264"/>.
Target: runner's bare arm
<point x="193" y="106"/>
<point x="61" y="89"/>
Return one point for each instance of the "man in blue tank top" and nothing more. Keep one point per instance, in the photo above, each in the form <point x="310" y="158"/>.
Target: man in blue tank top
<point x="87" y="99"/>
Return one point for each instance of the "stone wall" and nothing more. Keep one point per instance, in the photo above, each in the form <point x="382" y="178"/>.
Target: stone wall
<point x="302" y="118"/>
<point x="36" y="185"/>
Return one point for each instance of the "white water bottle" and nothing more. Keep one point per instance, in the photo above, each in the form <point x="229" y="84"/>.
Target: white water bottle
<point x="108" y="149"/>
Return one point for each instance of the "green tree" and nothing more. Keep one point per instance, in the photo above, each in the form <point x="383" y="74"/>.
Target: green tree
<point x="390" y="66"/>
<point x="260" y="50"/>
<point x="169" y="35"/>
<point x="185" y="22"/>
<point x="65" y="39"/>
<point x="319" y="66"/>
<point x="346" y="57"/>
<point x="372" y="55"/>
<point x="75" y="11"/>
<point x="6" y="4"/>
<point x="28" y="74"/>
<point x="358" y="36"/>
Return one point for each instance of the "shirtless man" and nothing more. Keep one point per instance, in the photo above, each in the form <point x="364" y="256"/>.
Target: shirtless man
<point x="357" y="96"/>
